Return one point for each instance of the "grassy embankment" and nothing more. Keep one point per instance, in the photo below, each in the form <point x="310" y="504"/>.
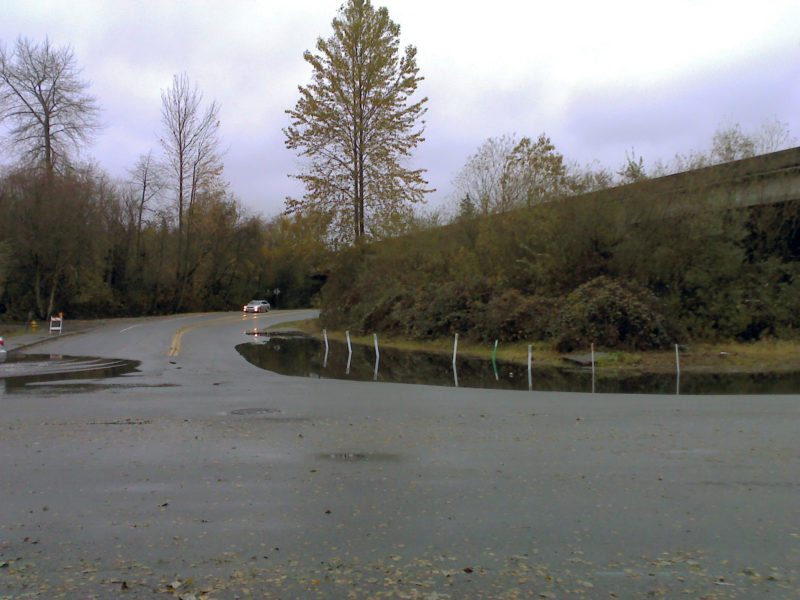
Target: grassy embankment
<point x="754" y="357"/>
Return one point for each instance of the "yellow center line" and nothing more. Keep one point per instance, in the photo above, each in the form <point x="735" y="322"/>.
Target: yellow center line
<point x="175" y="346"/>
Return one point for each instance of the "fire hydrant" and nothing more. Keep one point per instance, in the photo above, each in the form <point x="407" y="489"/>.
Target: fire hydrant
<point x="33" y="326"/>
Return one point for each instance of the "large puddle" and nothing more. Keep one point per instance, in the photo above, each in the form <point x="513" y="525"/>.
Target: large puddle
<point x="55" y="372"/>
<point x="306" y="357"/>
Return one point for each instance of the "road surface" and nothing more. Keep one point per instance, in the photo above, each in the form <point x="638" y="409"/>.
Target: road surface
<point x="201" y="476"/>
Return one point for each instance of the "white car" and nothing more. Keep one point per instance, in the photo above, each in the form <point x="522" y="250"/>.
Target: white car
<point x="256" y="306"/>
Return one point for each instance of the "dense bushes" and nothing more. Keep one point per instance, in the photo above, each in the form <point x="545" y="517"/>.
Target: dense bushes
<point x="629" y="273"/>
<point x="426" y="311"/>
<point x="611" y="314"/>
<point x="512" y="316"/>
<point x="604" y="311"/>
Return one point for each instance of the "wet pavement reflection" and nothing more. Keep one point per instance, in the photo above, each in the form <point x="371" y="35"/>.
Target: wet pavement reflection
<point x="303" y="356"/>
<point x="56" y="373"/>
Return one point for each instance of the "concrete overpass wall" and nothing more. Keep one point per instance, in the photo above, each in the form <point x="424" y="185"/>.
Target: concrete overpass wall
<point x="767" y="179"/>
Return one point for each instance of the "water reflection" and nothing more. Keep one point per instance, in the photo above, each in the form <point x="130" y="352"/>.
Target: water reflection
<point x="25" y="372"/>
<point x="308" y="357"/>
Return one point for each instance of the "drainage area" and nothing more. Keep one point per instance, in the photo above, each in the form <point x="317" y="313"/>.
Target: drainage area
<point x="304" y="356"/>
<point x="31" y="372"/>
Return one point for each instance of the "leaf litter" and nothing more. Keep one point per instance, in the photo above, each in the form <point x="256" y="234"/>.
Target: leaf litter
<point x="433" y="576"/>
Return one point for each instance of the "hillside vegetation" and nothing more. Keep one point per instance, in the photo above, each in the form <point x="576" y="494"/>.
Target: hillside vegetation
<point x="620" y="270"/>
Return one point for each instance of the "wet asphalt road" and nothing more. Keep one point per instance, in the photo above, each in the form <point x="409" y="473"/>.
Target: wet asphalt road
<point x="201" y="476"/>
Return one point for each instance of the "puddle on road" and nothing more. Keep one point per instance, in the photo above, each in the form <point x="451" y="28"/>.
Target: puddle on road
<point x="56" y="373"/>
<point x="254" y="411"/>
<point x="358" y="457"/>
<point x="305" y="357"/>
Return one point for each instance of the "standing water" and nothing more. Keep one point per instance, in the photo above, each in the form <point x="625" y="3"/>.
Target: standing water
<point x="304" y="356"/>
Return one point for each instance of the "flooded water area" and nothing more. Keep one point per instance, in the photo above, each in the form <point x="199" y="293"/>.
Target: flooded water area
<point x="304" y="356"/>
<point x="58" y="373"/>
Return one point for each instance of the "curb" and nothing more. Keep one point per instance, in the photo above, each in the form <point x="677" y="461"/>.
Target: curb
<point x="13" y="346"/>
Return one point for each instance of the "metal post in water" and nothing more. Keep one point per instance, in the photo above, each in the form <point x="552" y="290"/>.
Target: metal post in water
<point x="494" y="362"/>
<point x="377" y="356"/>
<point x="325" y="337"/>
<point x="530" y="374"/>
<point x="455" y="352"/>
<point x="349" y="352"/>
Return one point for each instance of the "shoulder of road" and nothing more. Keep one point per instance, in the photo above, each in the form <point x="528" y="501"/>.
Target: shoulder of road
<point x="18" y="337"/>
<point x="19" y="341"/>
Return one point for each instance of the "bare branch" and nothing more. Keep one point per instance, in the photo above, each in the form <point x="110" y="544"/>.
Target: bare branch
<point x="46" y="102"/>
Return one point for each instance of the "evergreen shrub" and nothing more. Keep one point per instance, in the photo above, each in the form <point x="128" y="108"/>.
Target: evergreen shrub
<point x="612" y="314"/>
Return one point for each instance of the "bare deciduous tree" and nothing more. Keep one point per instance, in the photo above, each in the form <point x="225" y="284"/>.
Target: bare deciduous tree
<point x="480" y="181"/>
<point x="145" y="185"/>
<point x="190" y="141"/>
<point x="505" y="174"/>
<point x="45" y="100"/>
<point x="730" y="142"/>
<point x="535" y="172"/>
<point x="774" y="135"/>
<point x="193" y="159"/>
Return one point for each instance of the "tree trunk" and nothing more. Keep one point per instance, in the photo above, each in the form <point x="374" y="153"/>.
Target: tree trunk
<point x="361" y="193"/>
<point x="51" y="304"/>
<point x="37" y="288"/>
<point x="48" y="148"/>
<point x="355" y="197"/>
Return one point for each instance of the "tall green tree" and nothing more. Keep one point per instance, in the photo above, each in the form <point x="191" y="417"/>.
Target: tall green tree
<point x="45" y="100"/>
<point x="356" y="125"/>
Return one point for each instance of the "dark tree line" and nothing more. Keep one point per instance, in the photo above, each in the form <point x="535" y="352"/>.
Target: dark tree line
<point x="76" y="244"/>
<point x="170" y="238"/>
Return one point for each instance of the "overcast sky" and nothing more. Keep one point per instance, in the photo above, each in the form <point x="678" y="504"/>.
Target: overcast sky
<point x="600" y="78"/>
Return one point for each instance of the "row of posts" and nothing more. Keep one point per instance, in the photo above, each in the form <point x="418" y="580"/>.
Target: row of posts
<point x="494" y="361"/>
<point x="350" y="352"/>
